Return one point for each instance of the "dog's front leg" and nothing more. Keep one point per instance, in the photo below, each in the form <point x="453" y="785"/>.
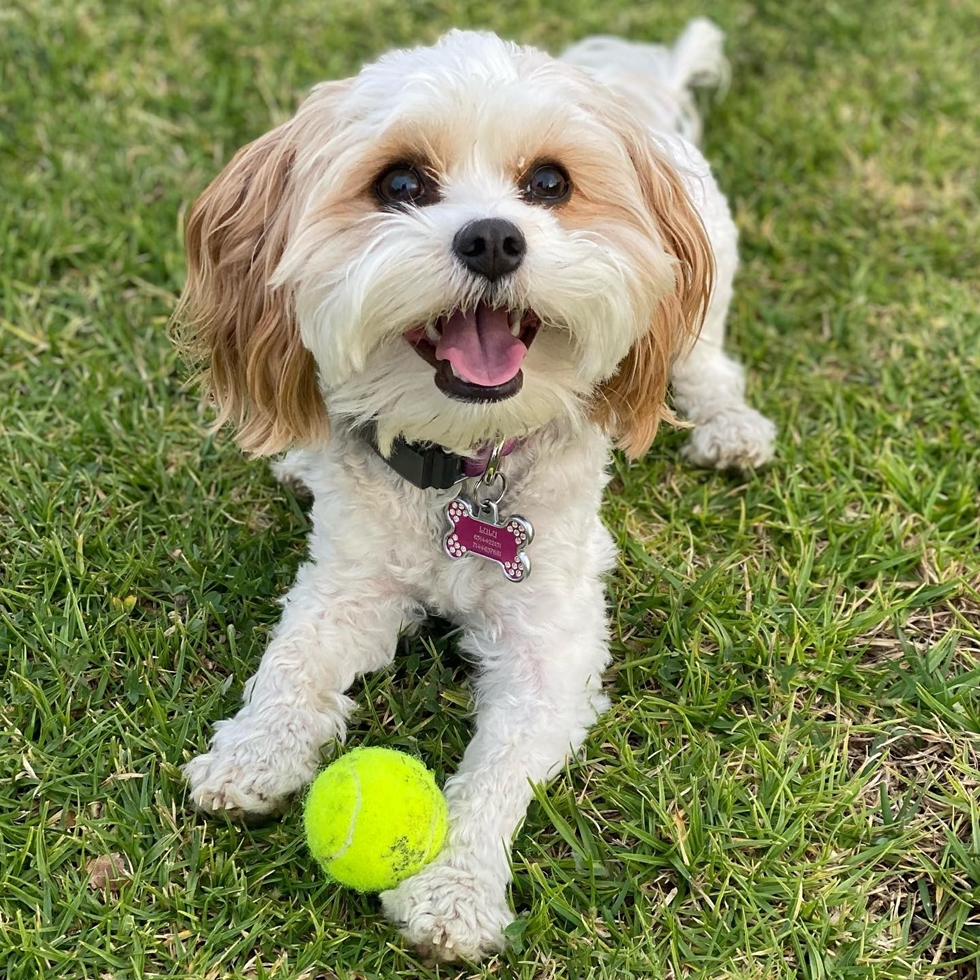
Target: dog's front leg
<point x="538" y="692"/>
<point x="339" y="621"/>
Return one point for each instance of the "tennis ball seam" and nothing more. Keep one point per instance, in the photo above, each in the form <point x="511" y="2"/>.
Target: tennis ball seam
<point x="353" y="818"/>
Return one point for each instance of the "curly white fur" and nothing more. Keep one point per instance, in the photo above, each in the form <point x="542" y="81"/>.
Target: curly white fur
<point x="376" y="565"/>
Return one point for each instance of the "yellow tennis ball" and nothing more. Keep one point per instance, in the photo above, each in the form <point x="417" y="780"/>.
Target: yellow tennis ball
<point x="374" y="817"/>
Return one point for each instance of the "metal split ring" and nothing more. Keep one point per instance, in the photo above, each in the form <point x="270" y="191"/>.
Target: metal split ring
<point x="493" y="463"/>
<point x="490" y="476"/>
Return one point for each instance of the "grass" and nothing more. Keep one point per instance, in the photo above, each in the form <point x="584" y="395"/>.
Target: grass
<point x="787" y="784"/>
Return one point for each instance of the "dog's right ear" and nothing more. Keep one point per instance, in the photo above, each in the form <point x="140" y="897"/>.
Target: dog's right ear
<point x="260" y="375"/>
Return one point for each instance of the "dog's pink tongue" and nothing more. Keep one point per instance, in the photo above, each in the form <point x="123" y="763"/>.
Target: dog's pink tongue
<point x="480" y="346"/>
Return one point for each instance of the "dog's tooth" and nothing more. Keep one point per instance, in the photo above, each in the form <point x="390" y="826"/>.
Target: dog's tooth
<point x="432" y="333"/>
<point x="515" y="322"/>
<point x="452" y="368"/>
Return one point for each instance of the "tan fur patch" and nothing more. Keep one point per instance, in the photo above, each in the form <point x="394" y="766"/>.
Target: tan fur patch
<point x="259" y="374"/>
<point x="657" y="214"/>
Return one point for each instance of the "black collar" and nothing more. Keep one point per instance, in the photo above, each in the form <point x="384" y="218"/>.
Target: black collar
<point x="427" y="466"/>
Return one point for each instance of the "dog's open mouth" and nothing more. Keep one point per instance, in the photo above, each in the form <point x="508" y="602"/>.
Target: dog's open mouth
<point x="477" y="353"/>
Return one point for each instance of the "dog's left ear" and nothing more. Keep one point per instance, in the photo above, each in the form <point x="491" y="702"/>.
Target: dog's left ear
<point x="633" y="402"/>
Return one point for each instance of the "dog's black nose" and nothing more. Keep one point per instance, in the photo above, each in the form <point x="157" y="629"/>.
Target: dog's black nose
<point x="490" y="247"/>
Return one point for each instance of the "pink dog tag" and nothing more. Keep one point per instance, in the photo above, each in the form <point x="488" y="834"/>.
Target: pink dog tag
<point x="482" y="534"/>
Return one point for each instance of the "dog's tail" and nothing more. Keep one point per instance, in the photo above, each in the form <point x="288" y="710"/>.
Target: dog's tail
<point x="658" y="80"/>
<point x="697" y="58"/>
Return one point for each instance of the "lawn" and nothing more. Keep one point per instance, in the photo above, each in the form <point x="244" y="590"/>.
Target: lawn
<point x="786" y="787"/>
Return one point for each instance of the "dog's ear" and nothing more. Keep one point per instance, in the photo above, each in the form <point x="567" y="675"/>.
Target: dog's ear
<point x="258" y="372"/>
<point x="633" y="402"/>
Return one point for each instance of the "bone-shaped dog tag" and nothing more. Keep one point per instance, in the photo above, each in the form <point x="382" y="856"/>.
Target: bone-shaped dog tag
<point x="476" y="530"/>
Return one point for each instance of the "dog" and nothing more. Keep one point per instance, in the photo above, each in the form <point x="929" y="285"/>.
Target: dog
<point x="445" y="289"/>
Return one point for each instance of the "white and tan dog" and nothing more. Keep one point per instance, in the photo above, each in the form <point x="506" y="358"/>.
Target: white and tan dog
<point x="464" y="246"/>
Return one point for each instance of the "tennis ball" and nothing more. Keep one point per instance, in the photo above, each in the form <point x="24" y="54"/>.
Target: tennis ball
<point x="374" y="817"/>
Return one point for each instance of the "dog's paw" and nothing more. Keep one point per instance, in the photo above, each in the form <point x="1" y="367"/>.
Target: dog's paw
<point x="737" y="438"/>
<point x="247" y="774"/>
<point x="219" y="785"/>
<point x="449" y="914"/>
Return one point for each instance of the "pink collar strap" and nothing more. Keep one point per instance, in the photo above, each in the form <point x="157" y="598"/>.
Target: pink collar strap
<point x="476" y="464"/>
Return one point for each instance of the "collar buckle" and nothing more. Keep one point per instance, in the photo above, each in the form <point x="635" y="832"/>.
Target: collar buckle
<point x="424" y="465"/>
<point x="431" y="467"/>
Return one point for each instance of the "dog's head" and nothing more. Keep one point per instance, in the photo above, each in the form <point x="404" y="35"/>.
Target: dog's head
<point x="462" y="243"/>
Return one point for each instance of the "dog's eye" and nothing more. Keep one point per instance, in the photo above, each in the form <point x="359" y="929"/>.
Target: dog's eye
<point x="402" y="185"/>
<point x="547" y="184"/>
